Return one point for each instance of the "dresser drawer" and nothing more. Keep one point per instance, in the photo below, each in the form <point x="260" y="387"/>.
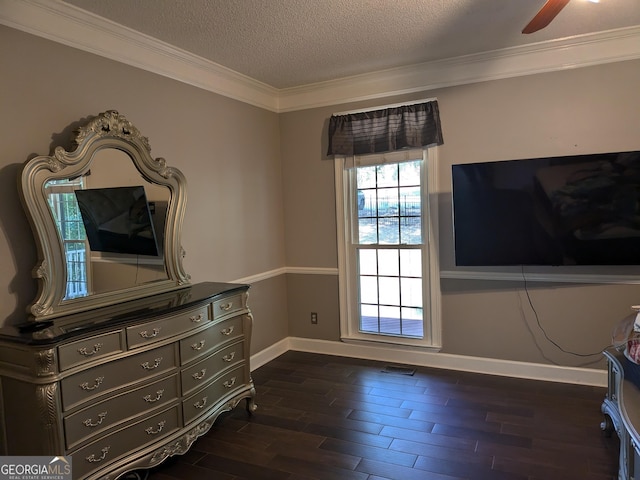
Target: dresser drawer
<point x="228" y="306"/>
<point x="202" y="401"/>
<point x="97" y="418"/>
<point x="149" y="332"/>
<point x="129" y="439"/>
<point x="202" y="372"/>
<point x="89" y="349"/>
<point x="82" y="386"/>
<point x="208" y="340"/>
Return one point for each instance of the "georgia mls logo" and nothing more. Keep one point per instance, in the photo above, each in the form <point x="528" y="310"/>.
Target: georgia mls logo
<point x="60" y="466"/>
<point x="35" y="468"/>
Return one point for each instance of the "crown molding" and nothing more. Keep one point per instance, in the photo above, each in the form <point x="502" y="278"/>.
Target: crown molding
<point x="74" y="27"/>
<point x="563" y="54"/>
<point x="71" y="26"/>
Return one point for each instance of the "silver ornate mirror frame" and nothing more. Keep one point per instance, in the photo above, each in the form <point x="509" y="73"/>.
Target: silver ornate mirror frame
<point x="109" y="130"/>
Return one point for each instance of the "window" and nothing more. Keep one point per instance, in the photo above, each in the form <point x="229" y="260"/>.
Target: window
<point x="66" y="214"/>
<point x="389" y="277"/>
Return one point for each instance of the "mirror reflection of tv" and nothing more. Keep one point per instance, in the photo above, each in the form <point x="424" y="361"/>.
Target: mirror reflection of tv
<point x="118" y="220"/>
<point x="572" y="210"/>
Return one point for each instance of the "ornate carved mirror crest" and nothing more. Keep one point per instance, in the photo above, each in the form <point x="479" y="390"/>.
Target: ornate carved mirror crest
<point x="107" y="220"/>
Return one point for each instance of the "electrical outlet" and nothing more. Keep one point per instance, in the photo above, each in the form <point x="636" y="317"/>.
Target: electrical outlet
<point x="314" y="318"/>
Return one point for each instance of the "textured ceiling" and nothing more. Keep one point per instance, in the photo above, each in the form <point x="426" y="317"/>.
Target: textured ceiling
<point x="288" y="43"/>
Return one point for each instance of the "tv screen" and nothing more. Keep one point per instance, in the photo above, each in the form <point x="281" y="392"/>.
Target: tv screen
<point x="572" y="210"/>
<point x="118" y="220"/>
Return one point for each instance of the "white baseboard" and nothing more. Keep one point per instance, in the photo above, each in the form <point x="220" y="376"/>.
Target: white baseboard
<point x="269" y="353"/>
<point x="491" y="366"/>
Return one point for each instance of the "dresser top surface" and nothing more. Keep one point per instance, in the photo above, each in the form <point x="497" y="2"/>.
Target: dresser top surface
<point x="115" y="316"/>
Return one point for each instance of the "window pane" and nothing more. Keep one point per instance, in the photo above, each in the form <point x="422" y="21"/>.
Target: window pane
<point x="389" y="230"/>
<point x="390" y="320"/>
<point x="387" y="175"/>
<point x="367" y="230"/>
<point x="366" y="177"/>
<point x="388" y="262"/>
<point x="389" y="290"/>
<point x="411" y="263"/>
<point x="75" y="253"/>
<point x="368" y="262"/>
<point x="412" y="322"/>
<point x="410" y="231"/>
<point x="369" y="319"/>
<point x="411" y="292"/>
<point x="362" y="203"/>
<point x="410" y="201"/>
<point x="409" y="173"/>
<point x="387" y="202"/>
<point x="368" y="289"/>
<point x="367" y="204"/>
<point x="76" y="231"/>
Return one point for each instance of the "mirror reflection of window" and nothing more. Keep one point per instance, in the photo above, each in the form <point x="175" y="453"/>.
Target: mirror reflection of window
<point x="66" y="213"/>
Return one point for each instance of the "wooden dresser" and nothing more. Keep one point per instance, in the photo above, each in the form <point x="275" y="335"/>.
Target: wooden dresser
<point x="124" y="387"/>
<point x="621" y="407"/>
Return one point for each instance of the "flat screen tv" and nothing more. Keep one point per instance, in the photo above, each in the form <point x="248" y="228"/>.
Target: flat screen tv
<point x="572" y="210"/>
<point x="118" y="220"/>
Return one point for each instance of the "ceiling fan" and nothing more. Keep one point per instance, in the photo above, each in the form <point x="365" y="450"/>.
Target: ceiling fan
<point x="544" y="16"/>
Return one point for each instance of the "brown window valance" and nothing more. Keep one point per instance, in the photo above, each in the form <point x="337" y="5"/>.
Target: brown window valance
<point x="385" y="130"/>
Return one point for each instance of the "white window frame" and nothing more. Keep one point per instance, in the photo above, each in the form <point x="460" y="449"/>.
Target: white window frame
<point x="347" y="272"/>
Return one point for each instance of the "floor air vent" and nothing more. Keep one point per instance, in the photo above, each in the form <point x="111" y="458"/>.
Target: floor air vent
<point x="399" y="370"/>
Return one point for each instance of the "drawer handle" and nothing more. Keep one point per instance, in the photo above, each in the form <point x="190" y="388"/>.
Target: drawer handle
<point x="87" y="353"/>
<point x="226" y="307"/>
<point x="153" y="334"/>
<point x="197" y="318"/>
<point x="89" y="423"/>
<point x="155" y="364"/>
<point x="150" y="399"/>
<point x="199" y="375"/>
<point x="151" y="431"/>
<point x="198" y="346"/>
<point x="228" y="358"/>
<point x="227" y="331"/>
<point x="230" y="383"/>
<point x="201" y="403"/>
<point x="97" y="382"/>
<point x="92" y="458"/>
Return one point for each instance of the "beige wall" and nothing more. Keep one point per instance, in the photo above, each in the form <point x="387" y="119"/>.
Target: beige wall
<point x="261" y="192"/>
<point x="313" y="293"/>
<point x="228" y="151"/>
<point x="586" y="110"/>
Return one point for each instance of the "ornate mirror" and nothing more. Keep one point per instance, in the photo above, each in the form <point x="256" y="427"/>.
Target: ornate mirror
<point x="107" y="219"/>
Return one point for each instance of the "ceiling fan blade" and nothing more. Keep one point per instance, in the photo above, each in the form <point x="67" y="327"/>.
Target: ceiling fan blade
<point x="547" y="13"/>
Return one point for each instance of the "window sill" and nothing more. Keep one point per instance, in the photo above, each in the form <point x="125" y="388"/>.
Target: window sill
<point x="392" y="342"/>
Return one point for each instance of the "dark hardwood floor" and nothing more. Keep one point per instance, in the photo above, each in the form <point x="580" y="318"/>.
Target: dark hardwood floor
<point x="324" y="417"/>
